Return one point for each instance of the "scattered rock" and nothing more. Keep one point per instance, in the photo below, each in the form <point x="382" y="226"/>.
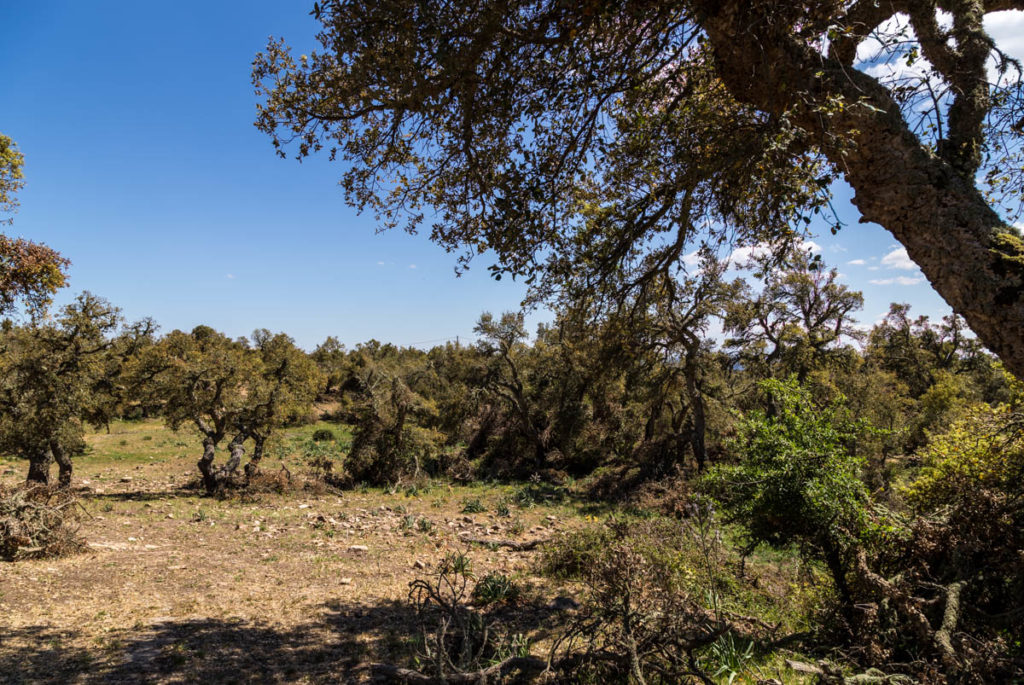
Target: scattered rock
<point x="419" y="564"/>
<point x="126" y="479"/>
<point x="358" y="549"/>
<point x="346" y="581"/>
<point x="170" y="516"/>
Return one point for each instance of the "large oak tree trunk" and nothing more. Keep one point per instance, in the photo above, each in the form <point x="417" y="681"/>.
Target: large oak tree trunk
<point x="478" y="443"/>
<point x="39" y="468"/>
<point x="205" y="465"/>
<point x="971" y="258"/>
<point x="236" y="449"/>
<point x="252" y="468"/>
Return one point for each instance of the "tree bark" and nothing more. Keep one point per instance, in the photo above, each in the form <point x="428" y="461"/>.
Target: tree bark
<point x="478" y="443"/>
<point x="236" y="450"/>
<point x="836" y="567"/>
<point x="968" y="254"/>
<point x="252" y="468"/>
<point x="63" y="463"/>
<point x="696" y="399"/>
<point x="205" y="465"/>
<point x="39" y="468"/>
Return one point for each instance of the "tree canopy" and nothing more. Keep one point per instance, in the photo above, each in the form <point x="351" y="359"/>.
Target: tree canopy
<point x="50" y="383"/>
<point x="29" y="272"/>
<point x="578" y="140"/>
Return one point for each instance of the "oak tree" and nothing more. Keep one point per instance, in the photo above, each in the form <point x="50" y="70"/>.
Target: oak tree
<point x="50" y="385"/>
<point x="283" y="388"/>
<point x="592" y="135"/>
<point x="29" y="272"/>
<point x="200" y="378"/>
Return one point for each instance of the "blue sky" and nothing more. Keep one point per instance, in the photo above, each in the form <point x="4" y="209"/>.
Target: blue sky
<point x="143" y="168"/>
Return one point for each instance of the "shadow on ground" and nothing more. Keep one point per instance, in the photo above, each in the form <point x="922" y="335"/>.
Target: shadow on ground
<point x="224" y="650"/>
<point x="141" y="495"/>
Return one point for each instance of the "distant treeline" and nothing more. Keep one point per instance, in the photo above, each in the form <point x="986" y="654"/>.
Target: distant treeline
<point x="633" y="390"/>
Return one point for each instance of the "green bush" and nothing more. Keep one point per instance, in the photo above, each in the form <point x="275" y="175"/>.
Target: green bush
<point x="323" y="435"/>
<point x="798" y="480"/>
<point x="494" y="588"/>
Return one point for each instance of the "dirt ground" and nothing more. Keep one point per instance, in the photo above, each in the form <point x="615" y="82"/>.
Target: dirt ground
<point x="298" y="587"/>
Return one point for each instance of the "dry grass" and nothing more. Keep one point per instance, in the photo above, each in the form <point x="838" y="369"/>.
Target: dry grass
<point x="175" y="587"/>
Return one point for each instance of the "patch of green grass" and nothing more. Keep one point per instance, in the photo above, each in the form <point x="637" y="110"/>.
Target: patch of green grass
<point x="408" y="522"/>
<point x="473" y="505"/>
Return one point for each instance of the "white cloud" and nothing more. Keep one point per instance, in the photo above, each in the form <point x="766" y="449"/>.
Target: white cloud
<point x="742" y="255"/>
<point x="412" y="266"/>
<point x="898" y="259"/>
<point x="898" y="280"/>
<point x="856" y="262"/>
<point x="380" y="263"/>
<point x="1007" y="30"/>
<point x="692" y="259"/>
<point x="874" y="268"/>
<point x="230" y="277"/>
<point x="889" y="63"/>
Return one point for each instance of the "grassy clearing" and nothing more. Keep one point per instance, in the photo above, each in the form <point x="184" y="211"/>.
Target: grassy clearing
<point x="294" y="587"/>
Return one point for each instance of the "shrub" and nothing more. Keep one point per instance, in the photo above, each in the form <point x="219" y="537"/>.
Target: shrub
<point x="980" y="455"/>
<point x="380" y="457"/>
<point x="408" y="522"/>
<point x="494" y="588"/>
<point x="323" y="435"/>
<point x="957" y="582"/>
<point x="571" y="554"/>
<point x="653" y="609"/>
<point x="798" y="481"/>
<point x="325" y="463"/>
<point x="458" y="642"/>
